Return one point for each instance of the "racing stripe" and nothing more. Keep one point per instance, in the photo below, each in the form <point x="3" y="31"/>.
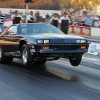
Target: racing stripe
<point x="3" y="42"/>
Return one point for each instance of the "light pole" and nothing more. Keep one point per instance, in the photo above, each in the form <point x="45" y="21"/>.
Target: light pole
<point x="27" y="6"/>
<point x="26" y="11"/>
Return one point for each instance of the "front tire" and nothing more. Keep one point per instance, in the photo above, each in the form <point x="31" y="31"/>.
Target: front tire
<point x="75" y="60"/>
<point x="26" y="57"/>
<point x="5" y="59"/>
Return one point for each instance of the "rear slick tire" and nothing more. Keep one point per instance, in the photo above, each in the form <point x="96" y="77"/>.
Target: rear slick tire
<point x="5" y="59"/>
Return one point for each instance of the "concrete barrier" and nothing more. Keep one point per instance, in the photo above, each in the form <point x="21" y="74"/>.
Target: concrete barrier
<point x="95" y="31"/>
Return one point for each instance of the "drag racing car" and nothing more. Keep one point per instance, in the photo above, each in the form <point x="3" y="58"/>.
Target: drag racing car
<point x="36" y="43"/>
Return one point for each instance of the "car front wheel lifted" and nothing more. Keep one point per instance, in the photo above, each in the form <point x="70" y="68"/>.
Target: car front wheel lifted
<point x="75" y="60"/>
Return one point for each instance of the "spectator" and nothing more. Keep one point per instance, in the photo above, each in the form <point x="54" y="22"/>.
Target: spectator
<point x="38" y="16"/>
<point x="10" y="12"/>
<point x="58" y="16"/>
<point x="47" y="17"/>
<point x="16" y="18"/>
<point x="35" y="15"/>
<point x="43" y="17"/>
<point x="97" y="17"/>
<point x="70" y="18"/>
<point x="31" y="18"/>
<point x="88" y="20"/>
<point x="73" y="17"/>
<point x="52" y="14"/>
<point x="2" y="19"/>
<point x="64" y="23"/>
<point x="23" y="17"/>
<point x="54" y="20"/>
<point x="79" y="19"/>
<point x="21" y="12"/>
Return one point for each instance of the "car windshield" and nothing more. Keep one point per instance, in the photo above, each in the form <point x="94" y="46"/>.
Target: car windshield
<point x="31" y="29"/>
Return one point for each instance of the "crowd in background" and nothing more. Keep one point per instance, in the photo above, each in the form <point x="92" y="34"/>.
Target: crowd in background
<point x="85" y="20"/>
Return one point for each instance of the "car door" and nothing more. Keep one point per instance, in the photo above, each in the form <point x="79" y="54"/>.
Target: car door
<point x="10" y="41"/>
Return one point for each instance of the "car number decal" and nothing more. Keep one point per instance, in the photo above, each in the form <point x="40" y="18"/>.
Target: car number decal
<point x="24" y="25"/>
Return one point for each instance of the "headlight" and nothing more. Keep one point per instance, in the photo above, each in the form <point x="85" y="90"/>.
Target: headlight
<point x="40" y="41"/>
<point x="81" y="41"/>
<point x="78" y="41"/>
<point x="43" y="41"/>
<point x="46" y="41"/>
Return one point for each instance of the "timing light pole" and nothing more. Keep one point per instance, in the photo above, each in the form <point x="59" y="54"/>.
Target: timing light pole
<point x="27" y="6"/>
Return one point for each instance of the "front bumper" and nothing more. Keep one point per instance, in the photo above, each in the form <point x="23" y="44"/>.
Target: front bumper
<point x="61" y="49"/>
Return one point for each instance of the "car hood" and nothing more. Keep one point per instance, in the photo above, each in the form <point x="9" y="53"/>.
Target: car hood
<point x="58" y="38"/>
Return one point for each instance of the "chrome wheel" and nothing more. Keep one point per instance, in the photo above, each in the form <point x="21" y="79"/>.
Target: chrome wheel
<point x="24" y="56"/>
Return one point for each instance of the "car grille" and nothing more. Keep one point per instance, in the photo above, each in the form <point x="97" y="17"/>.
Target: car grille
<point x="66" y="47"/>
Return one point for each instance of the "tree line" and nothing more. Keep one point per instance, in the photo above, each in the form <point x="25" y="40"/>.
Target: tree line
<point x="71" y="6"/>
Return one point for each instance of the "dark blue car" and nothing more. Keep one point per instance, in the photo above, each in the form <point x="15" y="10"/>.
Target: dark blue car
<point x="38" y="43"/>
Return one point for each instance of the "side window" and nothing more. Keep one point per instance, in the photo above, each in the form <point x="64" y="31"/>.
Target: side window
<point x="12" y="30"/>
<point x="23" y="30"/>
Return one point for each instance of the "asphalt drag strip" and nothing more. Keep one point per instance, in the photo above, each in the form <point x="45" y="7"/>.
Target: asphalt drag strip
<point x="36" y="83"/>
<point x="87" y="73"/>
